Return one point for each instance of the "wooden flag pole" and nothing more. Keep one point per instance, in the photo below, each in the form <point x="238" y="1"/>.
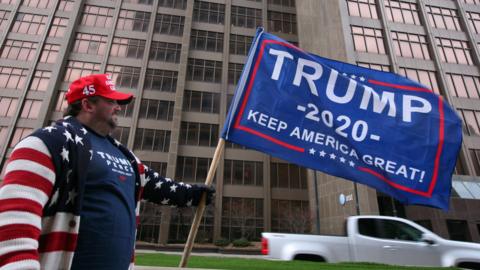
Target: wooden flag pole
<point x="201" y="205"/>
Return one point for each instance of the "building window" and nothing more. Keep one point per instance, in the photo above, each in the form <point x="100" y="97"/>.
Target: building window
<point x="471" y="121"/>
<point x="362" y="8"/>
<point x="234" y="72"/>
<point x="8" y="106"/>
<point x="133" y="20"/>
<point x="18" y="50"/>
<point x="283" y="3"/>
<point x="3" y="138"/>
<point x="291" y="216"/>
<point x="454" y="51"/>
<point x="58" y="27"/>
<point x="76" y="69"/>
<point x="458" y="230"/>
<point x="38" y="3"/>
<point x="97" y="16"/>
<point x="40" y="80"/>
<point x="284" y="175"/>
<point x="181" y="221"/>
<point x="161" y="80"/>
<point x="368" y="40"/>
<point x="374" y="66"/>
<point x="121" y="134"/>
<point x="475" y="154"/>
<point x="13" y="78"/>
<point x="124" y="76"/>
<point x="246" y="17"/>
<point x="49" y="53"/>
<point x="29" y="24"/>
<point x="31" y="109"/>
<point x="425" y="77"/>
<point x="156" y="109"/>
<point x="19" y="134"/>
<point x="66" y="5"/>
<point x="178" y="4"/>
<point x="152" y="140"/>
<point x="240" y="44"/>
<point x="410" y="45"/>
<point x="204" y="70"/>
<point x="402" y="12"/>
<point x="61" y="103"/>
<point x="239" y="172"/>
<point x="150" y="220"/>
<point x="169" y="24"/>
<point x="192" y="169"/>
<point x="129" y="48"/>
<point x="208" y="12"/>
<point x="472" y="2"/>
<point x="165" y="52"/>
<point x="4" y="15"/>
<point x="282" y="22"/>
<point x="464" y="86"/>
<point x="473" y="20"/>
<point x="141" y="2"/>
<point x="159" y="167"/>
<point x="90" y="44"/>
<point x="206" y="41"/>
<point x="443" y="18"/>
<point x="197" y="101"/>
<point x="199" y="134"/>
<point x="8" y="2"/>
<point x="242" y="218"/>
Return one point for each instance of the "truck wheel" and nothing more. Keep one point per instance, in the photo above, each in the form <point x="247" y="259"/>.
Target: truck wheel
<point x="309" y="257"/>
<point x="469" y="265"/>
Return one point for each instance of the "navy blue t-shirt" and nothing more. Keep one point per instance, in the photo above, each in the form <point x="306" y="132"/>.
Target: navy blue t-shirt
<point x="107" y="225"/>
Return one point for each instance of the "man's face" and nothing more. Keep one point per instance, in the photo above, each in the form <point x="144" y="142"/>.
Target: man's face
<point x="105" y="112"/>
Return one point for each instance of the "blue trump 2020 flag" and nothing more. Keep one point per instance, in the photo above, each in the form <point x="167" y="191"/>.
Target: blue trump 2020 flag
<point x="371" y="127"/>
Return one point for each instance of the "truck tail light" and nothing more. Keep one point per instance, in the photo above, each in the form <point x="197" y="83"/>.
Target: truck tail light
<point x="264" y="246"/>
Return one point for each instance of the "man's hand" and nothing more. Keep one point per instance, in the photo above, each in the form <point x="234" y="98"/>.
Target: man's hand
<point x="198" y="190"/>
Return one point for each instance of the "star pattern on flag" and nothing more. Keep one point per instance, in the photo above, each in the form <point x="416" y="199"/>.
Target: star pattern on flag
<point x="147" y="179"/>
<point x="351" y="163"/>
<point x="117" y="143"/>
<point x="65" y="124"/>
<point x="49" y="129"/>
<point x="54" y="198"/>
<point x="84" y="130"/>
<point x="311" y="151"/>
<point x="71" y="196"/>
<point x="355" y="77"/>
<point x="168" y="179"/>
<point x="91" y="154"/>
<point x="68" y="135"/>
<point x="322" y="153"/>
<point x="332" y="156"/>
<point x="188" y="186"/>
<point x="165" y="201"/>
<point x="189" y="203"/>
<point x="78" y="139"/>
<point x="64" y="154"/>
<point x="158" y="184"/>
<point x="173" y="188"/>
<point x="69" y="176"/>
<point x="156" y="175"/>
<point x="342" y="159"/>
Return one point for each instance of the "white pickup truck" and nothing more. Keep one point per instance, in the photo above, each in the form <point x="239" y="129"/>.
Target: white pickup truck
<point x="379" y="239"/>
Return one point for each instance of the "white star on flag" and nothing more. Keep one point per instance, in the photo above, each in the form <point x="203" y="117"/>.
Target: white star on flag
<point x="65" y="124"/>
<point x="69" y="173"/>
<point x="64" y="154"/>
<point x="188" y="186"/>
<point x="344" y="74"/>
<point x="311" y="151"/>
<point x="353" y="76"/>
<point x="71" y="196"/>
<point x="91" y="154"/>
<point x="147" y="179"/>
<point x="332" y="156"/>
<point x="117" y="142"/>
<point x="322" y="153"/>
<point x="362" y="79"/>
<point x="156" y="174"/>
<point x="68" y="135"/>
<point x="168" y="179"/>
<point x="158" y="184"/>
<point x="49" y="129"/>
<point x="173" y="188"/>
<point x="342" y="160"/>
<point x="145" y="167"/>
<point x="165" y="201"/>
<point x="78" y="139"/>
<point x="352" y="164"/>
<point x="84" y="131"/>
<point x="189" y="203"/>
<point x="54" y="198"/>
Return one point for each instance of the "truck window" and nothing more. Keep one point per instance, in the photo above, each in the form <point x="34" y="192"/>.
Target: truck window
<point x="388" y="229"/>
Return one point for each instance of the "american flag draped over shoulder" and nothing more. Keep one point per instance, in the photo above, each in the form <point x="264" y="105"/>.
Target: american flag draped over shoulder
<point x="42" y="191"/>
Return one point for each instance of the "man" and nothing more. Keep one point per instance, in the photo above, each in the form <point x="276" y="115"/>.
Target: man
<point x="70" y="196"/>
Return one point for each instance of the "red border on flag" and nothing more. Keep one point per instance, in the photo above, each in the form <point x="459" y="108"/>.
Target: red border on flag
<point x="433" y="182"/>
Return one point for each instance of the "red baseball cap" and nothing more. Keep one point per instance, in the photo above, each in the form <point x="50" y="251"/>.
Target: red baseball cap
<point x="96" y="85"/>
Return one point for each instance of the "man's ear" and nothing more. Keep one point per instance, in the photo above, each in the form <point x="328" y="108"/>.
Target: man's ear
<point x="87" y="106"/>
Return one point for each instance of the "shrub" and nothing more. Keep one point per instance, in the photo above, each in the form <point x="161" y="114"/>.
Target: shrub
<point x="222" y="242"/>
<point x="242" y="242"/>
